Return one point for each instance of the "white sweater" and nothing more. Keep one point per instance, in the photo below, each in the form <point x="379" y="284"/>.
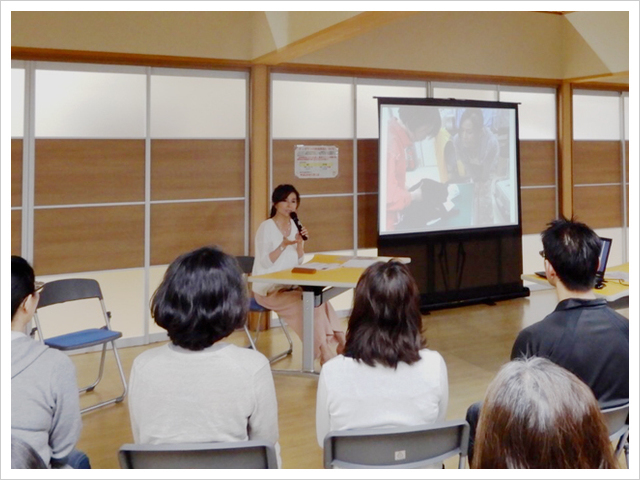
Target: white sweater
<point x="352" y="394"/>
<point x="221" y="394"/>
<point x="268" y="237"/>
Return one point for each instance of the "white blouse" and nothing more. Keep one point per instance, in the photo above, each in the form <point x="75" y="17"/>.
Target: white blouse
<point x="268" y="238"/>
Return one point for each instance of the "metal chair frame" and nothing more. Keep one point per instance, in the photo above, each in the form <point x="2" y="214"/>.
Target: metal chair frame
<point x="246" y="265"/>
<point x="616" y="419"/>
<point x="401" y="447"/>
<point x="67" y="290"/>
<point x="227" y="455"/>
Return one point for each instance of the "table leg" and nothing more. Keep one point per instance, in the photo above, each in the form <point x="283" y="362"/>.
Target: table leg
<point x="308" y="302"/>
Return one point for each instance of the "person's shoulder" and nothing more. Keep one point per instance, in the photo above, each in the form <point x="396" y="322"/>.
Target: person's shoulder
<point x="246" y="358"/>
<point x="150" y="355"/>
<point x="429" y="355"/>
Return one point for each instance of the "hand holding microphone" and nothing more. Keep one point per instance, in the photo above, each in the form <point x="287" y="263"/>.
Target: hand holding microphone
<point x="294" y="217"/>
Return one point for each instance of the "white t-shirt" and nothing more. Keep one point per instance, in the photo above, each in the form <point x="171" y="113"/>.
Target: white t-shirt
<point x="223" y="393"/>
<point x="352" y="394"/>
<point x="268" y="238"/>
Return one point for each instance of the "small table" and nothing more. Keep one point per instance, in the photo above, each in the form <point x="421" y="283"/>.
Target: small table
<point x="612" y="291"/>
<point x="320" y="287"/>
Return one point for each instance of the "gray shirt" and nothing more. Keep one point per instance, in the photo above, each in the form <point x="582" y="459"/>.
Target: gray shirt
<point x="45" y="410"/>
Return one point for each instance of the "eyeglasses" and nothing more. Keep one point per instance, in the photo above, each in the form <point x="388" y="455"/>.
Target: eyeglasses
<point x="541" y="252"/>
<point x="38" y="287"/>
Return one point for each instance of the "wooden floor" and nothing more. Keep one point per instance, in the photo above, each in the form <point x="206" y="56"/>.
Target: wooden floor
<point x="474" y="341"/>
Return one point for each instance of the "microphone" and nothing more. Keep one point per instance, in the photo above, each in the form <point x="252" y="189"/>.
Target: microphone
<point x="294" y="217"/>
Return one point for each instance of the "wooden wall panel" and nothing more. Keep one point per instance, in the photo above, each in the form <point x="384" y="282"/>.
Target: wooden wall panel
<point x="538" y="209"/>
<point x="16" y="172"/>
<point x="596" y="162"/>
<point x="626" y="155"/>
<point x="91" y="238"/>
<point x="329" y="221"/>
<point x="181" y="227"/>
<point x="368" y="165"/>
<point x="367" y="221"/>
<point x="599" y="206"/>
<point x="16" y="232"/>
<point x="537" y="163"/>
<point x="186" y="169"/>
<point x="283" y="167"/>
<point x="80" y="171"/>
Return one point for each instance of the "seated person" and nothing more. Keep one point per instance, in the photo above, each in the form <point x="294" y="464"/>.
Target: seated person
<point x="385" y="377"/>
<point x="582" y="334"/>
<point x="539" y="415"/>
<point x="45" y="411"/>
<point x="198" y="388"/>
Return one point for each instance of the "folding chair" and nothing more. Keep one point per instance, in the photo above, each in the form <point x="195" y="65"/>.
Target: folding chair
<point x="616" y="419"/>
<point x="401" y="447"/>
<point x="246" y="265"/>
<point x="248" y="454"/>
<point x="69" y="290"/>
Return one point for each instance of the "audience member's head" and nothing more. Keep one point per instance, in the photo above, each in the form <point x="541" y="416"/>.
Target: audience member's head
<point x="573" y="250"/>
<point x="24" y="297"/>
<point x="24" y="455"/>
<point x="538" y="415"/>
<point x="202" y="298"/>
<point x="385" y="325"/>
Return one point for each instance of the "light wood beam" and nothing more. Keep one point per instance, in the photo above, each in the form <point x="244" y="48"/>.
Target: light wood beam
<point x="337" y="33"/>
<point x="259" y="150"/>
<point x="565" y="147"/>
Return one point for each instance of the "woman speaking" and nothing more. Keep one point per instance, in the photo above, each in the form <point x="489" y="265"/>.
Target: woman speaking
<point x="280" y="246"/>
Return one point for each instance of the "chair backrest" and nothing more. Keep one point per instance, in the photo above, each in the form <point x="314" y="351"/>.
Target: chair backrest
<point x="402" y="447"/>
<point x="249" y="454"/>
<point x="246" y="264"/>
<point x="67" y="290"/>
<point x="616" y="419"/>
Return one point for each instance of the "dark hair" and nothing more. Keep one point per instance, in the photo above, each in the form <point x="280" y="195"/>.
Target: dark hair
<point x="24" y="455"/>
<point x="416" y="116"/>
<point x="538" y="415"/>
<point x="573" y="250"/>
<point x="202" y="298"/>
<point x="22" y="282"/>
<point x="476" y="117"/>
<point x="385" y="325"/>
<point x="280" y="194"/>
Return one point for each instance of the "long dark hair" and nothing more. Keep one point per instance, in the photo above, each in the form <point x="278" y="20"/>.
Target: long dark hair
<point x="280" y="194"/>
<point x="538" y="415"/>
<point x="385" y="325"/>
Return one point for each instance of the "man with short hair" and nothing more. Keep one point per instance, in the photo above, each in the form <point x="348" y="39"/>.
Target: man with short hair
<point x="45" y="410"/>
<point x="582" y="334"/>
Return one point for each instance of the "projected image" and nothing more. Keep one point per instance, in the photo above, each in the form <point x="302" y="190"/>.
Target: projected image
<point x="446" y="168"/>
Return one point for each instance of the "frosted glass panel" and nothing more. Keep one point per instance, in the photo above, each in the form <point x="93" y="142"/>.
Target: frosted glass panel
<point x="464" y="93"/>
<point x="306" y="109"/>
<point x="367" y="104"/>
<point x="90" y="105"/>
<point x="626" y="117"/>
<point x="596" y="117"/>
<point x="536" y="114"/>
<point x="17" y="102"/>
<point x="193" y="107"/>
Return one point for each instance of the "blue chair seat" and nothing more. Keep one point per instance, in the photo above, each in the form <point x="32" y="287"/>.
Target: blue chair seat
<point x="82" y="339"/>
<point x="256" y="307"/>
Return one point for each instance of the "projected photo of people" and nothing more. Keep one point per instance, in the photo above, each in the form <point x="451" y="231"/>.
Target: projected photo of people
<point x="446" y="167"/>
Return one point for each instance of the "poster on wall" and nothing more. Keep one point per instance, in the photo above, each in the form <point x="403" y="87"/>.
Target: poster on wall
<point x="316" y="161"/>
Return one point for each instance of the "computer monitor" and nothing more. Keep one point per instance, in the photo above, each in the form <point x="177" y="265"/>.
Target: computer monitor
<point x="604" y="257"/>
